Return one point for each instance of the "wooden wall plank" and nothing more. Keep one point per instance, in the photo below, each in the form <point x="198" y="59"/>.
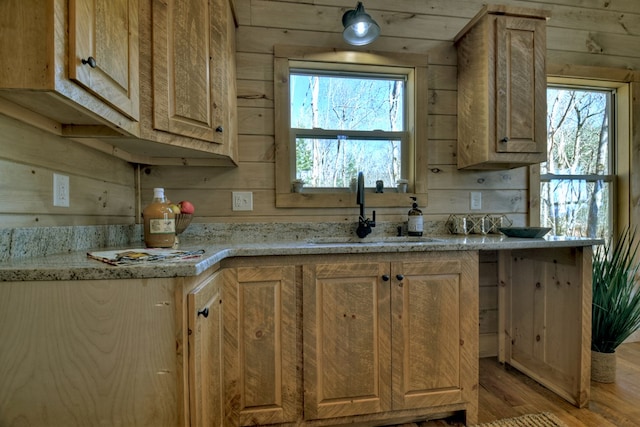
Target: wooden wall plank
<point x="448" y="177"/>
<point x="255" y="93"/>
<point x="102" y="187"/>
<point x="32" y="191"/>
<point x="256" y="148"/>
<point x="255" y="121"/>
<point x="23" y="143"/>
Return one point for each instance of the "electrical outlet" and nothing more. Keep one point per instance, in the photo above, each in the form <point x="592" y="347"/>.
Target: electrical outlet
<point x="60" y="190"/>
<point x="242" y="201"/>
<point x="475" y="200"/>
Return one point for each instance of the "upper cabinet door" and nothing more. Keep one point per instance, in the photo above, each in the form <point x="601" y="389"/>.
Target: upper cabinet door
<point x="193" y="72"/>
<point x="502" y="89"/>
<point x="103" y="51"/>
<point x="521" y="85"/>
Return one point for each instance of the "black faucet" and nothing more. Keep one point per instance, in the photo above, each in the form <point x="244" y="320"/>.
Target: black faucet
<point x="364" y="224"/>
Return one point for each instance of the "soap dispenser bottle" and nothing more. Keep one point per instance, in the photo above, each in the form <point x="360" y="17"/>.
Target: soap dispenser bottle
<point x="415" y="224"/>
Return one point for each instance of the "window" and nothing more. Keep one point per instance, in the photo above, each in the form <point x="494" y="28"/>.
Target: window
<point x="340" y="113"/>
<point x="586" y="142"/>
<point x="343" y="123"/>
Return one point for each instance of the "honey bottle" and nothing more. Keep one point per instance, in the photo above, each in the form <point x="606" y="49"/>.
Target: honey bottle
<point x="159" y="222"/>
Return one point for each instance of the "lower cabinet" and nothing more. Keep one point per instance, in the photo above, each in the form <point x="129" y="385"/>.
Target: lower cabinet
<point x="205" y="358"/>
<point x="312" y="340"/>
<point x="435" y="333"/>
<point x="89" y="352"/>
<point x="260" y="353"/>
<point x="347" y="339"/>
<point x="391" y="339"/>
<point x="127" y="352"/>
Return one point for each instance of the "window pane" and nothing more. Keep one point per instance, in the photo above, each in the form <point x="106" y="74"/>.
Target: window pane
<point x="580" y="144"/>
<point x="331" y="163"/>
<point x="343" y="102"/>
<point x="577" y="132"/>
<point x="576" y="207"/>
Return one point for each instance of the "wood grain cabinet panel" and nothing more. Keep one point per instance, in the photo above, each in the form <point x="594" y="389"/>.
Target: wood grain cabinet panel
<point x="103" y="52"/>
<point x="205" y="320"/>
<point x="193" y="87"/>
<point x="391" y="337"/>
<point x="502" y="89"/>
<point x="347" y="339"/>
<point x="152" y="82"/>
<point x="260" y="345"/>
<point x="43" y="44"/>
<point x="545" y="318"/>
<point x="434" y="305"/>
<point x="98" y="352"/>
<point x="112" y="352"/>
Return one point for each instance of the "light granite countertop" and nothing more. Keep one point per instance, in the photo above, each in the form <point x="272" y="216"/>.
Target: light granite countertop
<point x="77" y="266"/>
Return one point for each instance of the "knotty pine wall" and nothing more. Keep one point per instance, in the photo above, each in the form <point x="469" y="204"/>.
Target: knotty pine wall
<point x="102" y="187"/>
<point x="580" y="32"/>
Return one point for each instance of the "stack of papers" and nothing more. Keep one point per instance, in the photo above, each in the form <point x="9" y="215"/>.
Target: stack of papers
<point x="139" y="256"/>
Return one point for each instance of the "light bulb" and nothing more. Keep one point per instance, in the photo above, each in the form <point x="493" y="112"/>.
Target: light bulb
<point x="361" y="28"/>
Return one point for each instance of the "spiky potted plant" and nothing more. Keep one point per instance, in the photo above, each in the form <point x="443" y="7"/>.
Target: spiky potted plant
<point x="616" y="302"/>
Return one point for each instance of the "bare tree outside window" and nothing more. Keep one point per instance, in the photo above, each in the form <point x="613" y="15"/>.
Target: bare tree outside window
<point x="577" y="180"/>
<point x="346" y="123"/>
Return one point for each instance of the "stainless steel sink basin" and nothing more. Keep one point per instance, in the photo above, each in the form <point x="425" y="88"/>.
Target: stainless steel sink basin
<point x="373" y="240"/>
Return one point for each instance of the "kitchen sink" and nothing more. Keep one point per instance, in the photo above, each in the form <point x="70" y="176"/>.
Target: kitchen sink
<point x="373" y="240"/>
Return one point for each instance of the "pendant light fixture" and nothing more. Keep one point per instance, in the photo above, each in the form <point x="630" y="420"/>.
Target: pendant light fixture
<point x="359" y="27"/>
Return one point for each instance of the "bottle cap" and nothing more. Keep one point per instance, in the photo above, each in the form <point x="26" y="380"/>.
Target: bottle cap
<point x="158" y="193"/>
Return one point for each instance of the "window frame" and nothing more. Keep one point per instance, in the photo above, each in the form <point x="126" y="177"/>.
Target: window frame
<point x="610" y="177"/>
<point x="627" y="117"/>
<point x="287" y="58"/>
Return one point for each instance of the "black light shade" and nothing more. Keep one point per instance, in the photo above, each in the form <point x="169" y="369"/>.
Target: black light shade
<point x="359" y="27"/>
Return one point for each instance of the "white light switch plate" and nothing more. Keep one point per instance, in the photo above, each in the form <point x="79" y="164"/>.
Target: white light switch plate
<point x="60" y="190"/>
<point x="242" y="200"/>
<point x="476" y="200"/>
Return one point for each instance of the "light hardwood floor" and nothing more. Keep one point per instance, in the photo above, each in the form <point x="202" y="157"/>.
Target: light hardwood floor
<point x="505" y="392"/>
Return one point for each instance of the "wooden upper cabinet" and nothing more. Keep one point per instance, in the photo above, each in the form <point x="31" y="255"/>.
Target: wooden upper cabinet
<point x="103" y="51"/>
<point x="502" y="89"/>
<point x="193" y="90"/>
<point x="42" y="46"/>
<point x="152" y="82"/>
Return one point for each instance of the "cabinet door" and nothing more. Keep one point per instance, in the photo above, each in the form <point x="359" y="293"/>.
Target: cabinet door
<point x="520" y="85"/>
<point x="205" y="353"/>
<point x="434" y="307"/>
<point x="190" y="59"/>
<point x="346" y="334"/>
<point x="260" y="345"/>
<point x="104" y="33"/>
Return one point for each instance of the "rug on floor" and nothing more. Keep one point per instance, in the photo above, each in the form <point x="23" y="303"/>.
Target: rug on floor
<point x="544" y="419"/>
